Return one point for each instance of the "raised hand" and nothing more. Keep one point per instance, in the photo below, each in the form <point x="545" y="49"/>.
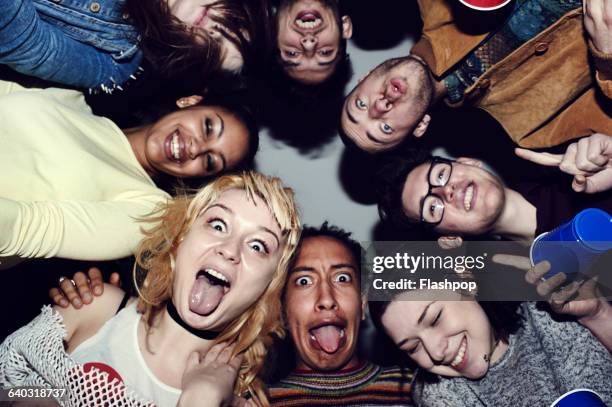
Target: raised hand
<point x="589" y="160"/>
<point x="212" y="378"/>
<point x="598" y="23"/>
<point x="78" y="290"/>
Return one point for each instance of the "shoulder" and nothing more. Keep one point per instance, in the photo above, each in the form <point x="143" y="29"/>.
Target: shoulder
<point x="82" y="323"/>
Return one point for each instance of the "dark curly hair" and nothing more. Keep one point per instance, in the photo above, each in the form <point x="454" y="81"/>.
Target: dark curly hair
<point x="333" y="232"/>
<point x="391" y="178"/>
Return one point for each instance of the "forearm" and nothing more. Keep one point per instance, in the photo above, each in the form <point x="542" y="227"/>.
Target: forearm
<point x="199" y="398"/>
<point x="600" y="324"/>
<point x="35" y="47"/>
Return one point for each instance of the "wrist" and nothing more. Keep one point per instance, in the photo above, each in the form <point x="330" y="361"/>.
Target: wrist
<point x="202" y="395"/>
<point x="602" y="61"/>
<point x="602" y="313"/>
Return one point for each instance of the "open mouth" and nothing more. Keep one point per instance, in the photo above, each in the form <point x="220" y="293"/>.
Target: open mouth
<point x="309" y="20"/>
<point x="174" y="147"/>
<point x="208" y="291"/>
<point x="460" y="360"/>
<point x="328" y="337"/>
<point x="469" y="196"/>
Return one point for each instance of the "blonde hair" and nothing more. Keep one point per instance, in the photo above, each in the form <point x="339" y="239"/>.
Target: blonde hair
<point x="252" y="331"/>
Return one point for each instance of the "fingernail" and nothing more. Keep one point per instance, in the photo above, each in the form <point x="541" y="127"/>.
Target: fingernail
<point x="97" y="290"/>
<point x="77" y="303"/>
<point x="63" y="303"/>
<point x="87" y="297"/>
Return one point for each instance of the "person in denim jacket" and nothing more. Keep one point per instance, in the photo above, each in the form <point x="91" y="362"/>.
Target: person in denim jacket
<point x="100" y="44"/>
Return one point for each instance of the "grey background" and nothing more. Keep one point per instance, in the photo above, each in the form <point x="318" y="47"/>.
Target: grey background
<point x="316" y="179"/>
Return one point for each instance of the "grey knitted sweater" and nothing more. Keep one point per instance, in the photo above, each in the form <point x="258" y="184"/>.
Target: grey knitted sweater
<point x="544" y="360"/>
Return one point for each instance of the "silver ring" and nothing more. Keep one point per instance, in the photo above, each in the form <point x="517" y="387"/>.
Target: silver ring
<point x="62" y="278"/>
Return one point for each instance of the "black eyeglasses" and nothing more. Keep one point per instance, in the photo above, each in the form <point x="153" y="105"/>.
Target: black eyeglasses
<point x="432" y="206"/>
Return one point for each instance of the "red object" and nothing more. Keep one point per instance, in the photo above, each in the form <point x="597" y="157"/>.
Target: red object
<point x="485" y="4"/>
<point x="112" y="373"/>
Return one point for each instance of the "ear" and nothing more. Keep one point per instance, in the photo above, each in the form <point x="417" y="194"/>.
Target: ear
<point x="422" y="126"/>
<point x="347" y="27"/>
<point x="364" y="304"/>
<point x="188" y="101"/>
<point x="470" y="161"/>
<point x="450" y="242"/>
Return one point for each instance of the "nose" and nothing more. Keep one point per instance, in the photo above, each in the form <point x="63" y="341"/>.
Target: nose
<point x="195" y="148"/>
<point x="229" y="249"/>
<point x="446" y="192"/>
<point x="309" y="42"/>
<point x="436" y="347"/>
<point x="380" y="107"/>
<point x="326" y="299"/>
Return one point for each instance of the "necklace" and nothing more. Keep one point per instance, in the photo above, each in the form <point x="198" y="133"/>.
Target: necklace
<point x="204" y="334"/>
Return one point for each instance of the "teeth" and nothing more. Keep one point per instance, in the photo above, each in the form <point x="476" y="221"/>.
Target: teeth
<point x="175" y="147"/>
<point x="342" y="333"/>
<point x="309" y="24"/>
<point x="460" y="354"/>
<point x="467" y="199"/>
<point x="216" y="274"/>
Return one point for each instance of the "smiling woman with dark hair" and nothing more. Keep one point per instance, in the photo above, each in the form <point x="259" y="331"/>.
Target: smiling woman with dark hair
<point x="88" y="181"/>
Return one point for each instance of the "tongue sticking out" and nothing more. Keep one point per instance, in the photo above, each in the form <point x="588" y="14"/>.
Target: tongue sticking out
<point x="205" y="297"/>
<point x="328" y="338"/>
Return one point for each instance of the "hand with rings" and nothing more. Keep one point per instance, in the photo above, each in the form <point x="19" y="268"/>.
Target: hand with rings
<point x="81" y="289"/>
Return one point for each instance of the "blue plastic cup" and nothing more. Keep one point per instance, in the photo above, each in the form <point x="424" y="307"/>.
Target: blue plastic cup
<point x="574" y="246"/>
<point x="579" y="398"/>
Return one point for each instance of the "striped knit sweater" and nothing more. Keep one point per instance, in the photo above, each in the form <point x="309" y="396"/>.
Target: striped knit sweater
<point x="365" y="385"/>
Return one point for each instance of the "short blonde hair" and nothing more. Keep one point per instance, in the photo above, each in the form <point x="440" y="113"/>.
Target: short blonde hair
<point x="252" y="331"/>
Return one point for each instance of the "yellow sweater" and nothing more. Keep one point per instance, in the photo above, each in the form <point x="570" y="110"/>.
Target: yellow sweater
<point x="70" y="184"/>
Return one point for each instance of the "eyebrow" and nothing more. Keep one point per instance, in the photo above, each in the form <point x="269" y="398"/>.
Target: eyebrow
<point x="222" y="129"/>
<point x="265" y="229"/>
<point x="289" y="64"/>
<point x="225" y="208"/>
<point x="350" y="116"/>
<point x="218" y="205"/>
<point x="374" y="139"/>
<point x="327" y="63"/>
<point x="334" y="267"/>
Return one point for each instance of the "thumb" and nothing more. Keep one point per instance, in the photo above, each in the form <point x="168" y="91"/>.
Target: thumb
<point x="599" y="182"/>
<point x="579" y="183"/>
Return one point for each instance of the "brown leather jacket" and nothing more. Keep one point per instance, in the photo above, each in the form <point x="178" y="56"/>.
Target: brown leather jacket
<point x="543" y="93"/>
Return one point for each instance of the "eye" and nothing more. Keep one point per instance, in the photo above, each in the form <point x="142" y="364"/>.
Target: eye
<point x="218" y="225"/>
<point x="208" y="127"/>
<point x="210" y="164"/>
<point x="292" y="54"/>
<point x="259" y="246"/>
<point x="441" y="174"/>
<point x="412" y="350"/>
<point x="385" y="128"/>
<point x="344" y="278"/>
<point x="437" y="319"/>
<point x="361" y="105"/>
<point x="303" y="281"/>
<point x="326" y="52"/>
